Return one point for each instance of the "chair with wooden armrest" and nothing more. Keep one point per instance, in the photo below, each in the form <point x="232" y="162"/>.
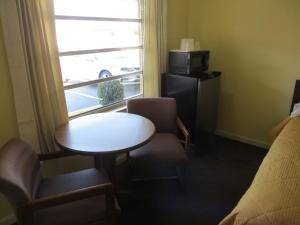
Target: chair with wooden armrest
<point x="165" y="149"/>
<point x="78" y="198"/>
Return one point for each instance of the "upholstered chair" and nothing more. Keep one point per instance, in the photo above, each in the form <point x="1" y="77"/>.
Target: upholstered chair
<point x="165" y="149"/>
<point x="83" y="197"/>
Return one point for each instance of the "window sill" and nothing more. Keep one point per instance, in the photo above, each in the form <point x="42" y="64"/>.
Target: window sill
<point x="111" y="108"/>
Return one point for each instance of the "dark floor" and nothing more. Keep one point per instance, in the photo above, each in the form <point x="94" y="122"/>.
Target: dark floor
<point x="215" y="181"/>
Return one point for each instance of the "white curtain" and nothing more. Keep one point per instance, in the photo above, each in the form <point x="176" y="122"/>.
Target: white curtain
<point x="155" y="45"/>
<point x="30" y="41"/>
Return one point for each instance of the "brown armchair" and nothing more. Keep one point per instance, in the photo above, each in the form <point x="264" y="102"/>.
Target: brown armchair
<point x="165" y="149"/>
<point x="83" y="197"/>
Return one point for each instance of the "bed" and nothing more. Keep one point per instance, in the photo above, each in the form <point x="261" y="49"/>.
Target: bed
<point x="274" y="195"/>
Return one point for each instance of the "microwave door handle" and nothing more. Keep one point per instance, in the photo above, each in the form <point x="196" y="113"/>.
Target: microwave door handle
<point x="188" y="60"/>
<point x="188" y="64"/>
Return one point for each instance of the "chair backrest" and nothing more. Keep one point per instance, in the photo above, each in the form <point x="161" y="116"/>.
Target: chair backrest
<point x="161" y="111"/>
<point x="19" y="172"/>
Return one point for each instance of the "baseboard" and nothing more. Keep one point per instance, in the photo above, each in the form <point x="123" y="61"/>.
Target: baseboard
<point x="243" y="139"/>
<point x="8" y="220"/>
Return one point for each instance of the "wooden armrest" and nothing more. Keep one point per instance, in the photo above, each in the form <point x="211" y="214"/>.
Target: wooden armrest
<point x="61" y="198"/>
<point x="185" y="133"/>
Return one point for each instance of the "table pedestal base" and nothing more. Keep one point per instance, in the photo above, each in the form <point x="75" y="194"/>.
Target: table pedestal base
<point x="107" y="162"/>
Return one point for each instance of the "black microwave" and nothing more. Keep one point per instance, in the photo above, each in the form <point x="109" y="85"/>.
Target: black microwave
<point x="187" y="63"/>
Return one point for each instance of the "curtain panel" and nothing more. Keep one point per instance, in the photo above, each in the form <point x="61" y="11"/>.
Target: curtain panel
<point x="155" y="45"/>
<point x="32" y="51"/>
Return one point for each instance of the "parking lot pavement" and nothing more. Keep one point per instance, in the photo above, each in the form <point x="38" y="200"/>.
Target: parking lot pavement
<point x="76" y="100"/>
<point x="85" y="97"/>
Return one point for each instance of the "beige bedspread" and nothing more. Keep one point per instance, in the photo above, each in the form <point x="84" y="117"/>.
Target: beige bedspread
<point x="274" y="195"/>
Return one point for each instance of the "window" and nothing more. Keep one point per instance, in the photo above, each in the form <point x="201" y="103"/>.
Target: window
<point x="101" y="51"/>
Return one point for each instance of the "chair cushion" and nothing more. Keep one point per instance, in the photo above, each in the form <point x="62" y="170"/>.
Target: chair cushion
<point x="78" y="212"/>
<point x="71" y="181"/>
<point x="163" y="150"/>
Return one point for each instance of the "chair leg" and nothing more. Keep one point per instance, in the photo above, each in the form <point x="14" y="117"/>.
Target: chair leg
<point x="25" y="217"/>
<point x="181" y="174"/>
<point x="112" y="220"/>
<point x="112" y="206"/>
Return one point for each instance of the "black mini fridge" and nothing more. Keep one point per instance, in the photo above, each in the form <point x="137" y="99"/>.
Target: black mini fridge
<point x="197" y="102"/>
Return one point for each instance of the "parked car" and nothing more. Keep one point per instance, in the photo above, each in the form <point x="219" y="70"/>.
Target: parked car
<point x="81" y="68"/>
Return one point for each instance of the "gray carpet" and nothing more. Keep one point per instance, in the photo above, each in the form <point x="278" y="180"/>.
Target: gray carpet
<point x="215" y="181"/>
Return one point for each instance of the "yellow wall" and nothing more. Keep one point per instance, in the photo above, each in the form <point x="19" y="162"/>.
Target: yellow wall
<point x="8" y="121"/>
<point x="256" y="45"/>
<point x="177" y="21"/>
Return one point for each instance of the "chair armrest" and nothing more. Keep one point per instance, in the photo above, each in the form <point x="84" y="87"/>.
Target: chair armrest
<point x="62" y="198"/>
<point x="185" y="133"/>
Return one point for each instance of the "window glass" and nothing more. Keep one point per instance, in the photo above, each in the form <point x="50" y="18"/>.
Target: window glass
<point x="96" y="34"/>
<point x="101" y="50"/>
<point x="102" y="94"/>
<point x="80" y="68"/>
<point x="98" y="8"/>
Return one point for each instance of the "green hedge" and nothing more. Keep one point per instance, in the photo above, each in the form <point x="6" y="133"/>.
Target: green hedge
<point x="110" y="91"/>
